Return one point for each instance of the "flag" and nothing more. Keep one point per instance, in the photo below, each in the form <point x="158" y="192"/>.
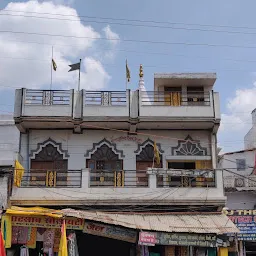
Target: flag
<point x="75" y="66"/>
<point x="2" y="249"/>
<point x="54" y="65"/>
<point x="63" y="248"/>
<point x="156" y="154"/>
<point x="18" y="173"/>
<point x="128" y="76"/>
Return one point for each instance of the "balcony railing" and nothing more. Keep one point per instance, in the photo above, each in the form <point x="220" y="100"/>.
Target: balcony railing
<point x="52" y="178"/>
<point x="175" y="99"/>
<point x="186" y="178"/>
<point x="47" y="98"/>
<point x="122" y="178"/>
<point x="105" y="98"/>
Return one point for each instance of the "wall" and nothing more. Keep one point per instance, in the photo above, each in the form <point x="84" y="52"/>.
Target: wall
<point x="9" y="140"/>
<point x="245" y="200"/>
<point x="3" y="191"/>
<point x="78" y="144"/>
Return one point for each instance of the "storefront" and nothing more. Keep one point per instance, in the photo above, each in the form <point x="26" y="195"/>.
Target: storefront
<point x="245" y="220"/>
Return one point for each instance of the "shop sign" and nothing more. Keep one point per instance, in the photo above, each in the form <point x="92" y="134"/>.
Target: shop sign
<point x="126" y="138"/>
<point x="109" y="231"/>
<point x="147" y="238"/>
<point x="47" y="222"/>
<point x="186" y="239"/>
<point x="245" y="220"/>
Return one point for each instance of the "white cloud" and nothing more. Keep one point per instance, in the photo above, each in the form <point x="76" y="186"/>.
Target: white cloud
<point x="28" y="64"/>
<point x="113" y="42"/>
<point x="112" y="36"/>
<point x="237" y="121"/>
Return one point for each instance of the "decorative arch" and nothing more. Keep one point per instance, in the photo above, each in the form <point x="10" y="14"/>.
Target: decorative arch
<point x="145" y="143"/>
<point x="49" y="150"/>
<point x="189" y="147"/>
<point x="104" y="150"/>
<point x="145" y="151"/>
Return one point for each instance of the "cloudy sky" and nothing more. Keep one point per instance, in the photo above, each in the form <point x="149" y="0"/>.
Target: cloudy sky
<point x="165" y="36"/>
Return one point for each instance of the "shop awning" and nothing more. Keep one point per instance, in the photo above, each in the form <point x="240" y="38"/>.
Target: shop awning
<point x="213" y="223"/>
<point x="34" y="211"/>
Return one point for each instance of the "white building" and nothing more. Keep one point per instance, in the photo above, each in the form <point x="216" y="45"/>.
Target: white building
<point x="94" y="148"/>
<point x="9" y="147"/>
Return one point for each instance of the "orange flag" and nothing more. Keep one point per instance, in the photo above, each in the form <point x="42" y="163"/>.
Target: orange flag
<point x="63" y="249"/>
<point x="2" y="249"/>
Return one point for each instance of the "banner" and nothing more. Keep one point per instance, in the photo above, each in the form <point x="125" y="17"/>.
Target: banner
<point x="109" y="231"/>
<point x="245" y="220"/>
<point x="47" y="222"/>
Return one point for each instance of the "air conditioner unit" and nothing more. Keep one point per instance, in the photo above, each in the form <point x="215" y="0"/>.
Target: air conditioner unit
<point x="239" y="182"/>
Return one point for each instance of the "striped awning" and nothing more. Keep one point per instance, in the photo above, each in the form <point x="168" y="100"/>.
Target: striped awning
<point x="211" y="223"/>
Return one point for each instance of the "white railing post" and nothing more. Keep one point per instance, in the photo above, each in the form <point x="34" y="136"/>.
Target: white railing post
<point x="152" y="178"/>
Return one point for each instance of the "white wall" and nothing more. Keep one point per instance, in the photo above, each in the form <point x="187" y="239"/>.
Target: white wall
<point x="3" y="191"/>
<point x="245" y="200"/>
<point x="9" y="140"/>
<point x="78" y="144"/>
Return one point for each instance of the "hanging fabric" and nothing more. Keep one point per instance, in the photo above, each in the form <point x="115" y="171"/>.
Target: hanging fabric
<point x="72" y="245"/>
<point x="212" y="252"/>
<point x="24" y="251"/>
<point x="6" y="229"/>
<point x="32" y="238"/>
<point x="19" y="235"/>
<point x="223" y="251"/>
<point x="48" y="240"/>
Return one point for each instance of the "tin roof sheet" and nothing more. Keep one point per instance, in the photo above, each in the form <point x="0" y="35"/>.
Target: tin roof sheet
<point x="165" y="222"/>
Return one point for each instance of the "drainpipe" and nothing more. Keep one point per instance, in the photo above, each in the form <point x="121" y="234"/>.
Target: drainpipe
<point x="28" y="162"/>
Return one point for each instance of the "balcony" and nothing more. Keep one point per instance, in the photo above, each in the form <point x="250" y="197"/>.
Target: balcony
<point x="117" y="109"/>
<point x="125" y="187"/>
<point x="232" y="182"/>
<point x="174" y="106"/>
<point x="47" y="103"/>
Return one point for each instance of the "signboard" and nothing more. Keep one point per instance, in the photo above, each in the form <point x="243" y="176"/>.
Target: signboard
<point x="126" y="138"/>
<point x="109" y="231"/>
<point x="147" y="238"/>
<point x="186" y="239"/>
<point x="245" y="220"/>
<point x="47" y="222"/>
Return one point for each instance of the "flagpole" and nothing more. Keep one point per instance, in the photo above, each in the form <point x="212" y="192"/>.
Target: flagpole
<point x="126" y="75"/>
<point x="79" y="76"/>
<point x="51" y="69"/>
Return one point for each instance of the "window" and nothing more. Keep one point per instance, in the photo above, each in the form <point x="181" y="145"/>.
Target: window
<point x="240" y="164"/>
<point x="195" y="95"/>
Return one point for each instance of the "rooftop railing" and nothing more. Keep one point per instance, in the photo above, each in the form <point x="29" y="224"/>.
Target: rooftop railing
<point x="52" y="178"/>
<point x="175" y="98"/>
<point x="47" y="98"/>
<point x="105" y="98"/>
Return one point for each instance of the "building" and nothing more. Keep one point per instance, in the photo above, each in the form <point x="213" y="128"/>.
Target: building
<point x="239" y="172"/>
<point x="93" y="150"/>
<point x="9" y="147"/>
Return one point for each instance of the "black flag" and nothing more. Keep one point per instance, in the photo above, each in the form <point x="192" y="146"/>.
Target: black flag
<point x="75" y="66"/>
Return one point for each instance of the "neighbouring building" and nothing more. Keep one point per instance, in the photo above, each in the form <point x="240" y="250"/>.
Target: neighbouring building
<point x="9" y="147"/>
<point x="97" y="153"/>
<point x="239" y="173"/>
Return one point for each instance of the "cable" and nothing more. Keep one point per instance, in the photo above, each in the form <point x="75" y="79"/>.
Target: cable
<point x="131" y="24"/>
<point x="130" y="20"/>
<point x="128" y="40"/>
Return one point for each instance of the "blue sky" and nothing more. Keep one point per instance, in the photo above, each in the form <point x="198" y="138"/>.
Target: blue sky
<point x="25" y="64"/>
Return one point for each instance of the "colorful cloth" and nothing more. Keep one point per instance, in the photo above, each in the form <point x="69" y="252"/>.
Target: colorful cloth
<point x="19" y="235"/>
<point x="48" y="239"/>
<point x="32" y="238"/>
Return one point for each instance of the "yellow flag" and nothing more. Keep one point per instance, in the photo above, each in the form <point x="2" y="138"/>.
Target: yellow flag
<point x="54" y="65"/>
<point x="63" y="248"/>
<point x="18" y="173"/>
<point x="128" y="76"/>
<point x="156" y="154"/>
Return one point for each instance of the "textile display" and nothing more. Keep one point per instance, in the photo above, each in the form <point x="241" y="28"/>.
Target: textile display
<point x="48" y="239"/>
<point x="63" y="250"/>
<point x="57" y="240"/>
<point x="32" y="238"/>
<point x="24" y="251"/>
<point x="2" y="249"/>
<point x="169" y="250"/>
<point x="6" y="229"/>
<point x="72" y="245"/>
<point x="223" y="251"/>
<point x="212" y="252"/>
<point x="19" y="235"/>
